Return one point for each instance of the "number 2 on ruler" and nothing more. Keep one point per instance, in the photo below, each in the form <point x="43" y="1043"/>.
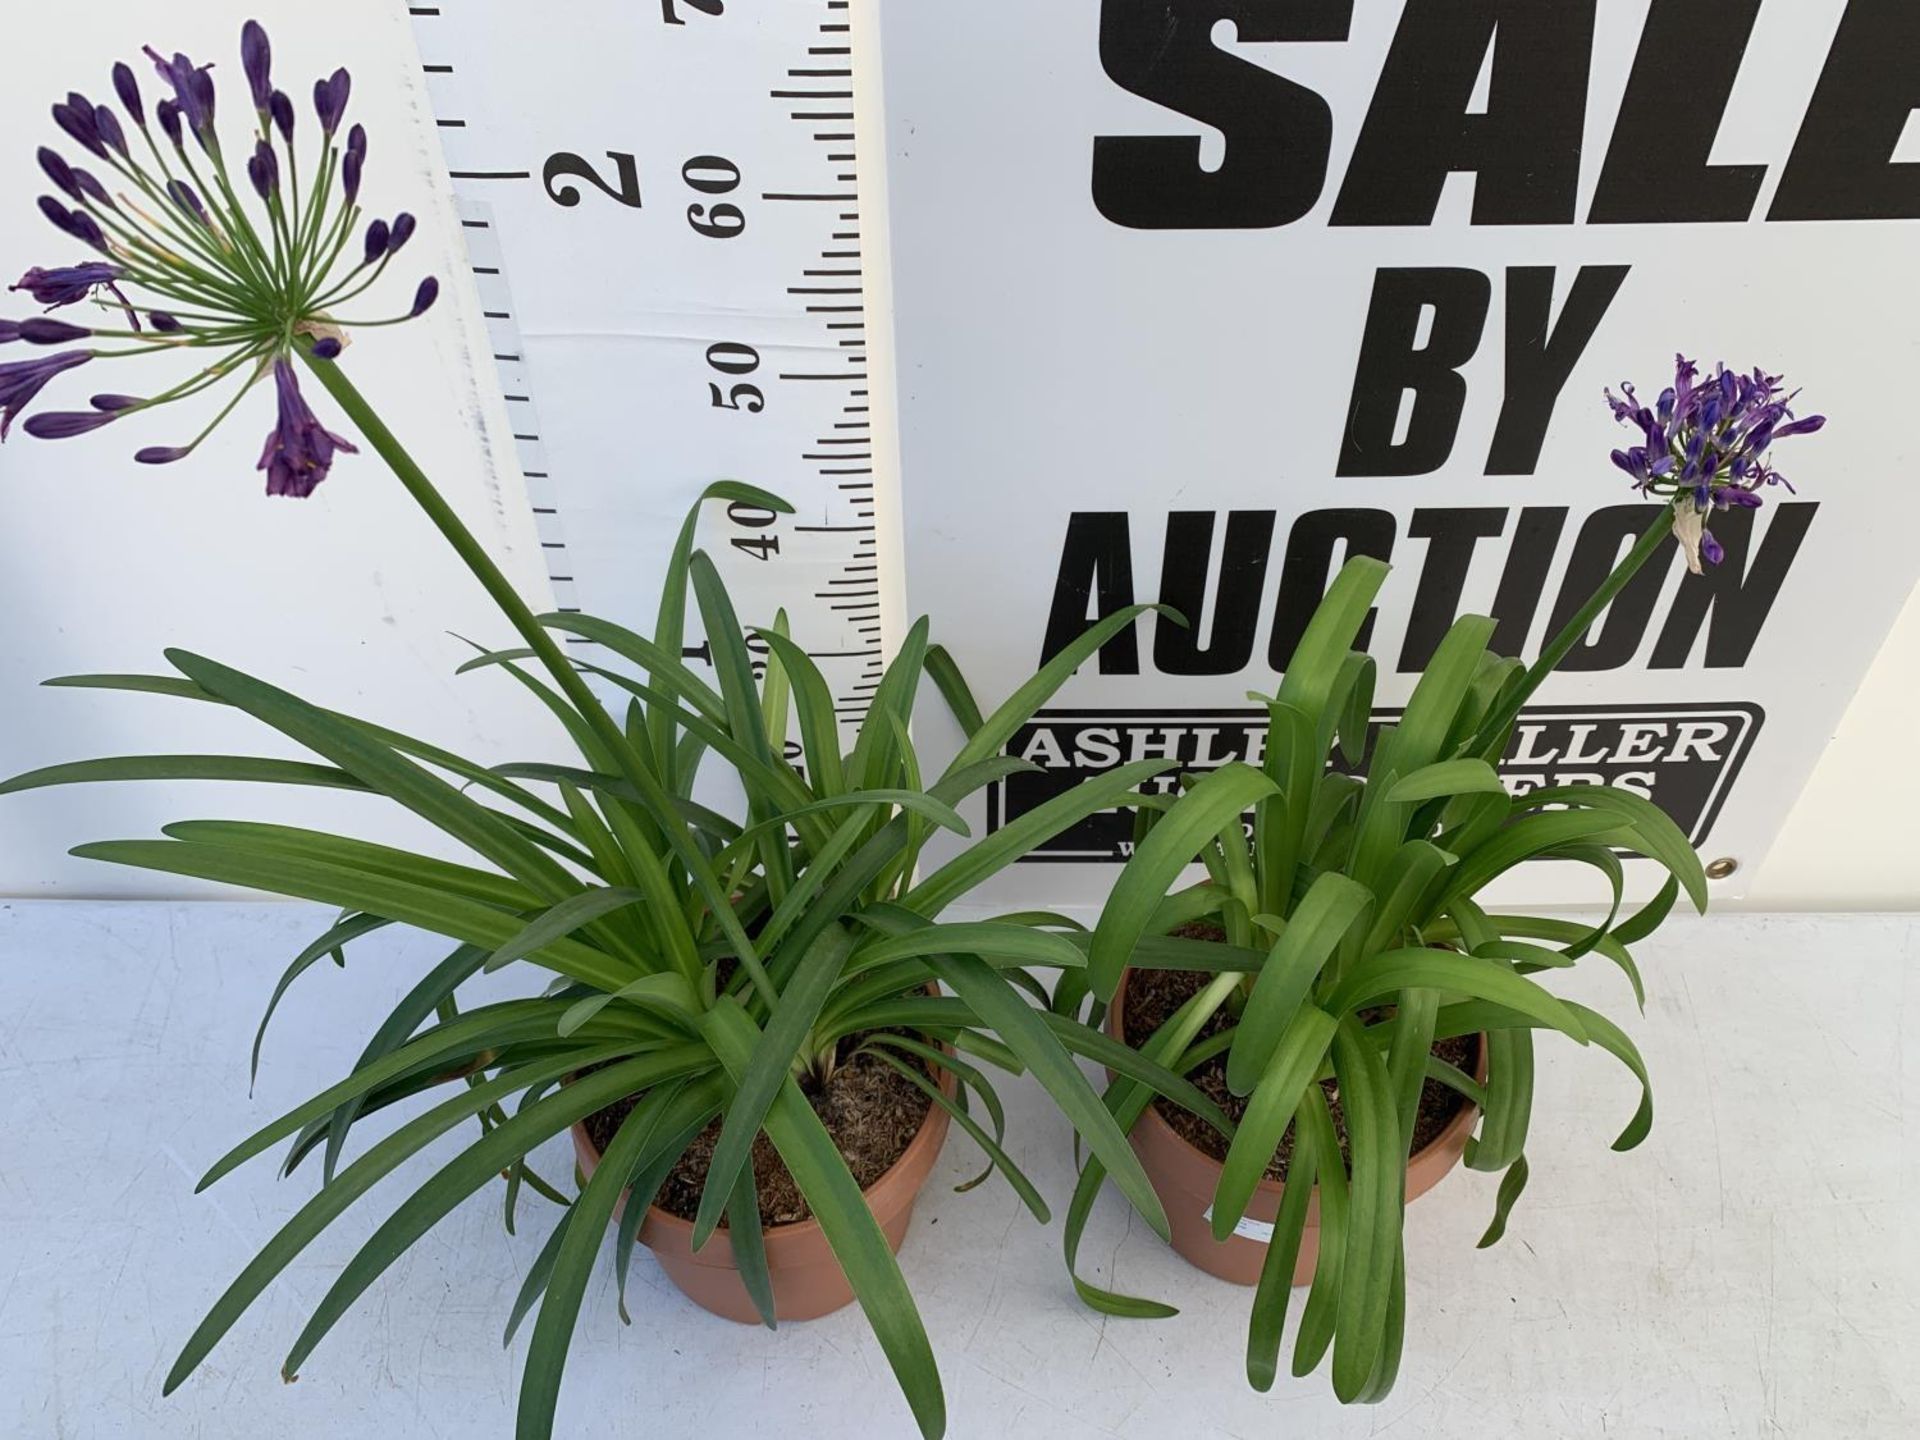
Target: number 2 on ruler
<point x="705" y="7"/>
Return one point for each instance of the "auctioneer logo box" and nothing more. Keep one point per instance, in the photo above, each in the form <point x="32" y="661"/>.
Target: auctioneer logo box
<point x="1682" y="757"/>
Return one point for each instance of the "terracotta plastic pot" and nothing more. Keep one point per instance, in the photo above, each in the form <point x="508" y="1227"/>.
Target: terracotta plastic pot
<point x="807" y="1280"/>
<point x="1185" y="1178"/>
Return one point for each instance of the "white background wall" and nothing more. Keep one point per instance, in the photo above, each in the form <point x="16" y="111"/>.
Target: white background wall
<point x="348" y="597"/>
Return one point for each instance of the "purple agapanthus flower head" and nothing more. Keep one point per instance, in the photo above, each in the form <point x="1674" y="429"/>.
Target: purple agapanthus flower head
<point x="299" y="450"/>
<point x="210" y="275"/>
<point x="21" y="380"/>
<point x="1704" y="445"/>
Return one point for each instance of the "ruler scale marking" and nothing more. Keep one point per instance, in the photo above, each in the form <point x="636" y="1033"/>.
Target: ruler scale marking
<point x="651" y="148"/>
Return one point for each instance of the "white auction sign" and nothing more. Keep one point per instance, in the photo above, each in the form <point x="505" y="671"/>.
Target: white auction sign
<point x="1195" y="298"/>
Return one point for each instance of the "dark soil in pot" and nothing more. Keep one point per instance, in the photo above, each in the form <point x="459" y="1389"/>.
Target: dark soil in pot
<point x="1153" y="995"/>
<point x="871" y="1111"/>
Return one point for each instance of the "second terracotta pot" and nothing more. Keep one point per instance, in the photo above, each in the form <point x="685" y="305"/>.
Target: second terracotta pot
<point x="807" y="1279"/>
<point x="1185" y="1177"/>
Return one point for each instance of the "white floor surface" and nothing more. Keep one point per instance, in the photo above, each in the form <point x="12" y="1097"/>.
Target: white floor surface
<point x="1752" y="1270"/>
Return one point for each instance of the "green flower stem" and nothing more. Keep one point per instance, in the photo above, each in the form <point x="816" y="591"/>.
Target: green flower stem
<point x="468" y="547"/>
<point x="465" y="544"/>
<point x="1491" y="740"/>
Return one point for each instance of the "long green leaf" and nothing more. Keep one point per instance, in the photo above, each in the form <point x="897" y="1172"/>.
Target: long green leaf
<point x="1022" y="1186"/>
<point x="559" y="921"/>
<point x="993" y="733"/>
<point x="382" y="768"/>
<point x="1329" y="909"/>
<point x="348" y="889"/>
<point x="819" y="728"/>
<point x="1448" y="777"/>
<point x="954" y="690"/>
<point x="342" y="932"/>
<point x="1317" y="1318"/>
<point x="1511" y="1184"/>
<point x="349" y="1185"/>
<point x="1379" y="976"/>
<point x="1003" y="1011"/>
<point x="774" y="1052"/>
<point x="1025" y="833"/>
<point x="1168" y="849"/>
<point x="854" y="1235"/>
<point x="1315" y="664"/>
<point x="567" y="1283"/>
<point x="1373" y="1223"/>
<point x="1295" y="1061"/>
<point x="1660" y="837"/>
<point x="184" y="767"/>
<point x="1268" y="1320"/>
<point x="1508" y="1108"/>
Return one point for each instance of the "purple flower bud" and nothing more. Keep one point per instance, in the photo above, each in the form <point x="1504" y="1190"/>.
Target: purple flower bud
<point x="330" y="99"/>
<point x="167" y="112"/>
<point x="65" y="424"/>
<point x="41" y="330"/>
<point x="299" y="450"/>
<point x="263" y="169"/>
<point x="128" y="90"/>
<point x="424" y="297"/>
<point x="76" y="117"/>
<point x="183" y="195"/>
<point x="9" y="331"/>
<point x="377" y="236"/>
<point x="280" y="106"/>
<point x="108" y="124"/>
<point x="162" y="454"/>
<point x="1711" y="549"/>
<point x="164" y="323"/>
<point x="76" y="223"/>
<point x="1811" y="425"/>
<point x="256" y="58"/>
<point x="351" y="165"/>
<point x="59" y="172"/>
<point x="116" y="403"/>
<point x="192" y="92"/>
<point x="92" y="188"/>
<point x="67" y="284"/>
<point x="403" y="228"/>
<point x="24" y="379"/>
<point x="326" y="348"/>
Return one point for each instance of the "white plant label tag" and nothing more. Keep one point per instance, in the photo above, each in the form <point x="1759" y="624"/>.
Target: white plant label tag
<point x="1260" y="1231"/>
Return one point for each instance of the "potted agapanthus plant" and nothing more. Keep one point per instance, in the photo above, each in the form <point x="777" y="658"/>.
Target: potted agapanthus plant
<point x="705" y="981"/>
<point x="1334" y="985"/>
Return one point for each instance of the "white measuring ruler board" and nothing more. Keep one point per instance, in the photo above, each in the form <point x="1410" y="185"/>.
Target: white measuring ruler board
<point x="661" y="204"/>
